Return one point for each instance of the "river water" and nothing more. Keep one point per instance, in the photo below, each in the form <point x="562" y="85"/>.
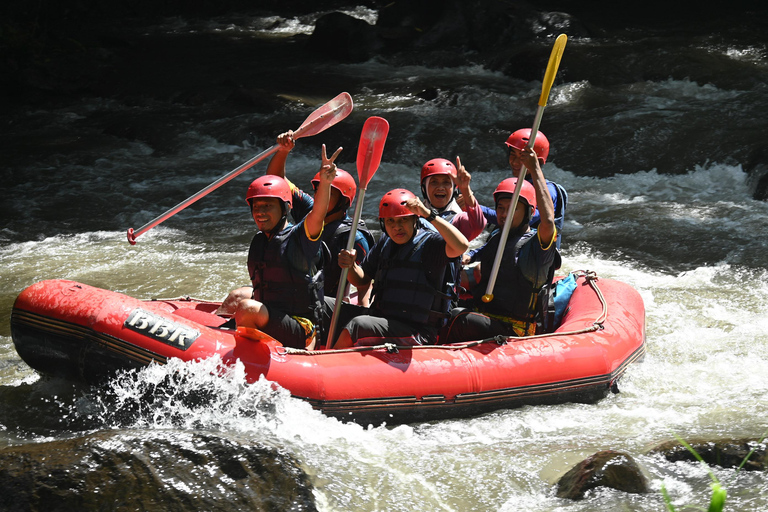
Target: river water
<point x="693" y="243"/>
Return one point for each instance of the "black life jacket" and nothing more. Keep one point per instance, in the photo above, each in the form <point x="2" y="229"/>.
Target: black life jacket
<point x="295" y="287"/>
<point x="336" y="236"/>
<point x="513" y="296"/>
<point x="404" y="290"/>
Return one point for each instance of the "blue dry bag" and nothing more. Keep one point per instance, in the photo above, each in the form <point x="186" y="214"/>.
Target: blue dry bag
<point x="563" y="291"/>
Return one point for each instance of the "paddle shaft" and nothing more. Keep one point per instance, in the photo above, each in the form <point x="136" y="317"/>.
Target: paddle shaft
<point x="132" y="235"/>
<point x="340" y="291"/>
<point x="308" y="128"/>
<point x="511" y="213"/>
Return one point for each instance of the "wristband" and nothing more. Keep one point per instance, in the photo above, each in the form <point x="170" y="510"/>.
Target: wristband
<point x="432" y="215"/>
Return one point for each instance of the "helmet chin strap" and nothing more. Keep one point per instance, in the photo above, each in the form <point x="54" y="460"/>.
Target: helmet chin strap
<point x="425" y="184"/>
<point x="281" y="223"/>
<point x="524" y="225"/>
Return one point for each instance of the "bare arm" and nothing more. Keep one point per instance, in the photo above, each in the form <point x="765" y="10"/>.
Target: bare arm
<point x="455" y="243"/>
<point x="356" y="275"/>
<point x="285" y="144"/>
<point x="543" y="199"/>
<point x="315" y="219"/>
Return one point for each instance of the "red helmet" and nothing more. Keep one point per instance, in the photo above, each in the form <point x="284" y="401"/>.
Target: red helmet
<point x="270" y="186"/>
<point x="520" y="138"/>
<point x="343" y="182"/>
<point x="438" y="166"/>
<point x="527" y="193"/>
<point x="393" y="204"/>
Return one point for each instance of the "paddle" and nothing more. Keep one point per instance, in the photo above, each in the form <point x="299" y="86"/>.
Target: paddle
<point x="369" y="152"/>
<point x="322" y="118"/>
<point x="549" y="78"/>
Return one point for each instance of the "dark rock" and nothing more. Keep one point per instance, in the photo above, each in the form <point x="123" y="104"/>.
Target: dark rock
<point x="607" y="468"/>
<point x="338" y="36"/>
<point x="726" y="453"/>
<point x="476" y="25"/>
<point x="760" y="188"/>
<point x="430" y="94"/>
<point x="129" y="470"/>
<point x="756" y="168"/>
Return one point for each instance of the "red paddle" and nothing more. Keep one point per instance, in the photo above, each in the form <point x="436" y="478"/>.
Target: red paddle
<point x="369" y="152"/>
<point x="322" y="118"/>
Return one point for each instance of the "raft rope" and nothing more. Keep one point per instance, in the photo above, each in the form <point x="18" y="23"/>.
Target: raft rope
<point x="187" y="298"/>
<point x="589" y="276"/>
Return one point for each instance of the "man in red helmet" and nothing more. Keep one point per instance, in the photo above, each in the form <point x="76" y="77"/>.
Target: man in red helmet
<point x="285" y="261"/>
<point x="527" y="266"/>
<point x="516" y="144"/>
<point x="411" y="273"/>
<point x="338" y="223"/>
<point x="441" y="184"/>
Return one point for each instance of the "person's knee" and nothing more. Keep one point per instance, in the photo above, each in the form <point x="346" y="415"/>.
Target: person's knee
<point x="233" y="299"/>
<point x="251" y="313"/>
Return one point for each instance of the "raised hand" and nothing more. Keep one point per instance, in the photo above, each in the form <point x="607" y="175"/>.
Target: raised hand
<point x="466" y="198"/>
<point x="416" y="207"/>
<point x="462" y="177"/>
<point x="529" y="158"/>
<point x="286" y="142"/>
<point x="327" y="166"/>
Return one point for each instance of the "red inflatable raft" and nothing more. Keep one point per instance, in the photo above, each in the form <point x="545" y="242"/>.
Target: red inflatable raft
<point x="69" y="329"/>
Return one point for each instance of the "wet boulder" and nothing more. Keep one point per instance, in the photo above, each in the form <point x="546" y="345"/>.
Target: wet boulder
<point x="157" y="470"/>
<point x="343" y="38"/>
<point x="756" y="167"/>
<point x="726" y="453"/>
<point x="607" y="468"/>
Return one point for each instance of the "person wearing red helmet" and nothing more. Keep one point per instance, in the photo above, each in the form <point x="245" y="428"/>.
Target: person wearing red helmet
<point x="411" y="273"/>
<point x="516" y="144"/>
<point x="338" y="223"/>
<point x="442" y="184"/>
<point x="527" y="266"/>
<point x="285" y="262"/>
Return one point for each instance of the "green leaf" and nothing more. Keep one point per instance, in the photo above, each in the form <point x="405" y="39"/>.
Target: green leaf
<point x="717" y="502"/>
<point x="667" y="499"/>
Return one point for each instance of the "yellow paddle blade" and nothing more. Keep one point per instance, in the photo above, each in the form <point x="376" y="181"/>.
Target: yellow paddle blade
<point x="554" y="63"/>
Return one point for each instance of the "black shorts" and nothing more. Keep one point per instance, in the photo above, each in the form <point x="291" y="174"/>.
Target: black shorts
<point x="367" y="330"/>
<point x="287" y="330"/>
<point x="467" y="325"/>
